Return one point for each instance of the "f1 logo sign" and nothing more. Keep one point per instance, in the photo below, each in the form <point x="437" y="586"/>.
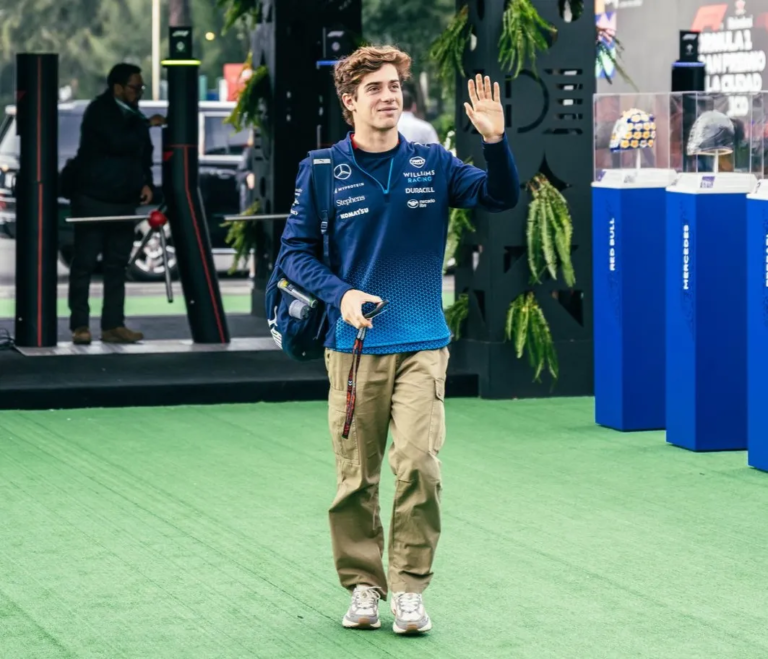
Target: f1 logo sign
<point x="709" y="17"/>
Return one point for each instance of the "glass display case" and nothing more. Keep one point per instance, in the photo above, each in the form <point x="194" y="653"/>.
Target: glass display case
<point x="688" y="132"/>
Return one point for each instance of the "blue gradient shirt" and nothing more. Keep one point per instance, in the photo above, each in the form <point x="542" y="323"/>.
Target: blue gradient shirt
<point x="388" y="235"/>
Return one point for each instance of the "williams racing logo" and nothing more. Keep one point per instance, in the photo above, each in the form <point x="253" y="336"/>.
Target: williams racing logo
<point x="420" y="177"/>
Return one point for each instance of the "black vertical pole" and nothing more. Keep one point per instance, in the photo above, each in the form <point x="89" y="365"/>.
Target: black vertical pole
<point x="36" y="198"/>
<point x="189" y="228"/>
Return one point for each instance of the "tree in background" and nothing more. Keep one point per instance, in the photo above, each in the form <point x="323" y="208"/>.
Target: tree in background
<point x="413" y="25"/>
<point x="91" y="36"/>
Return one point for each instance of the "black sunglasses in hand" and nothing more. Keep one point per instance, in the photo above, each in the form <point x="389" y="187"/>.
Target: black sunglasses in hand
<point x="378" y="309"/>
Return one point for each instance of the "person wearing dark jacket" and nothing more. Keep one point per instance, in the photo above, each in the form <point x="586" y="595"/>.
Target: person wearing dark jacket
<point x="113" y="176"/>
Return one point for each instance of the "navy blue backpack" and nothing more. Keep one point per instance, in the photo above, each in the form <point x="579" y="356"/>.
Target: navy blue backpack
<point x="297" y="320"/>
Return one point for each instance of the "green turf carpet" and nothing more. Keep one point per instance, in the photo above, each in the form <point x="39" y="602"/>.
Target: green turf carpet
<point x="202" y="532"/>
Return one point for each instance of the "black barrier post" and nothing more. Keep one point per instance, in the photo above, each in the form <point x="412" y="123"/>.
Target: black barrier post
<point x="189" y="228"/>
<point x="37" y="199"/>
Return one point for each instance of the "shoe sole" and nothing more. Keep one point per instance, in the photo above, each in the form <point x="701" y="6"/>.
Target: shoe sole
<point x="411" y="629"/>
<point x="363" y="623"/>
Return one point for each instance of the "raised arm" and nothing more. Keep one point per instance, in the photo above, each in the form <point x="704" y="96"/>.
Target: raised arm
<point x="498" y="188"/>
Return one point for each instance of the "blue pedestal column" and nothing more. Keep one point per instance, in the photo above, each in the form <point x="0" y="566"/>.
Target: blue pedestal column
<point x="757" y="327"/>
<point x="706" y="311"/>
<point x="628" y="231"/>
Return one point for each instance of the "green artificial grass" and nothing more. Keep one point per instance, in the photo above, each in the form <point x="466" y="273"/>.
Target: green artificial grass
<point x="202" y="532"/>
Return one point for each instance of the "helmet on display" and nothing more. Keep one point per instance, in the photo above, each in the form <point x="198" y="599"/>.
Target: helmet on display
<point x="712" y="134"/>
<point x="635" y="130"/>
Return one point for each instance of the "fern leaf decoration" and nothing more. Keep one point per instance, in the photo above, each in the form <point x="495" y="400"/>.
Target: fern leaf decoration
<point x="528" y="329"/>
<point x="447" y="51"/>
<point x="458" y="222"/>
<point x="523" y="33"/>
<point x="247" y="11"/>
<point x="251" y="102"/>
<point x="456" y="314"/>
<point x="549" y="232"/>
<point x="243" y="237"/>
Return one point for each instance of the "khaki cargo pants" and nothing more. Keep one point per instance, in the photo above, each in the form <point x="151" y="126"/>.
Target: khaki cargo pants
<point x="403" y="393"/>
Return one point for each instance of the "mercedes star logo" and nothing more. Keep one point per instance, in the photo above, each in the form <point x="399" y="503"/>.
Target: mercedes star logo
<point x="342" y="172"/>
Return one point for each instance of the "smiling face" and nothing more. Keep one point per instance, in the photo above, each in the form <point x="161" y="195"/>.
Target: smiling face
<point x="378" y="100"/>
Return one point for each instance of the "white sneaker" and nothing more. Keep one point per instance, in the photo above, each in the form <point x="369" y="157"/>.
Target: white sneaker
<point x="363" y="612"/>
<point x="410" y="616"/>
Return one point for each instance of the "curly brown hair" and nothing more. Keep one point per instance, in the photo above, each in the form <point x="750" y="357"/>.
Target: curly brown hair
<point x="350" y="70"/>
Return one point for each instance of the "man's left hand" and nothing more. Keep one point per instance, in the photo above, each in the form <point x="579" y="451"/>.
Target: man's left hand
<point x="486" y="113"/>
<point x="146" y="195"/>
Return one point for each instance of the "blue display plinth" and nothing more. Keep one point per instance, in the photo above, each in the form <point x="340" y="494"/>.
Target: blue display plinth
<point x="706" y="311"/>
<point x="757" y="327"/>
<point x="628" y="230"/>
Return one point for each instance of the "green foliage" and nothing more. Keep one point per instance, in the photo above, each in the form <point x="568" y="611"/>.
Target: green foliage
<point x="91" y="36"/>
<point x="523" y="33"/>
<point x="549" y="232"/>
<point x="243" y="237"/>
<point x="447" y="51"/>
<point x="458" y="222"/>
<point x="252" y="101"/>
<point x="445" y="124"/>
<point x="456" y="314"/>
<point x="248" y="12"/>
<point x="412" y="26"/>
<point x="528" y="329"/>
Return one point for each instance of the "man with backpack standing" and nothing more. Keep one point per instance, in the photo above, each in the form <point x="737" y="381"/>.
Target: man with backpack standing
<point x="385" y="240"/>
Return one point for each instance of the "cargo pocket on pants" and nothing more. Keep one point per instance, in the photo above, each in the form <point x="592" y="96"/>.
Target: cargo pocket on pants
<point x="346" y="449"/>
<point x="437" y="419"/>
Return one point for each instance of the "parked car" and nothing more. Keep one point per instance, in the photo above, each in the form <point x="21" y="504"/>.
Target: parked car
<point x="220" y="150"/>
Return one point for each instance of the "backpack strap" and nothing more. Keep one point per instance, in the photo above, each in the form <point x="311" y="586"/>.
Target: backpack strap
<point x="322" y="184"/>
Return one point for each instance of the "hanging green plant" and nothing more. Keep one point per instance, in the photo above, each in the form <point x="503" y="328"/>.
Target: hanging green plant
<point x="549" y="232"/>
<point x="523" y="33"/>
<point x="243" y="237"/>
<point x="246" y="11"/>
<point x="610" y="56"/>
<point x="251" y="102"/>
<point x="458" y="222"/>
<point x="447" y="51"/>
<point x="456" y="314"/>
<point x="528" y="329"/>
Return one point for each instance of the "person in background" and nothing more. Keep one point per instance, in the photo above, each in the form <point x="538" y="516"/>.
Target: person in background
<point x="413" y="128"/>
<point x="113" y="175"/>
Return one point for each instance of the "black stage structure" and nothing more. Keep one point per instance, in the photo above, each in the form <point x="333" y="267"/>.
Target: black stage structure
<point x="210" y="359"/>
<point x="549" y="127"/>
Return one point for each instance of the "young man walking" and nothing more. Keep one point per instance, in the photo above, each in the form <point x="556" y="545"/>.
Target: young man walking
<point x="388" y="236"/>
